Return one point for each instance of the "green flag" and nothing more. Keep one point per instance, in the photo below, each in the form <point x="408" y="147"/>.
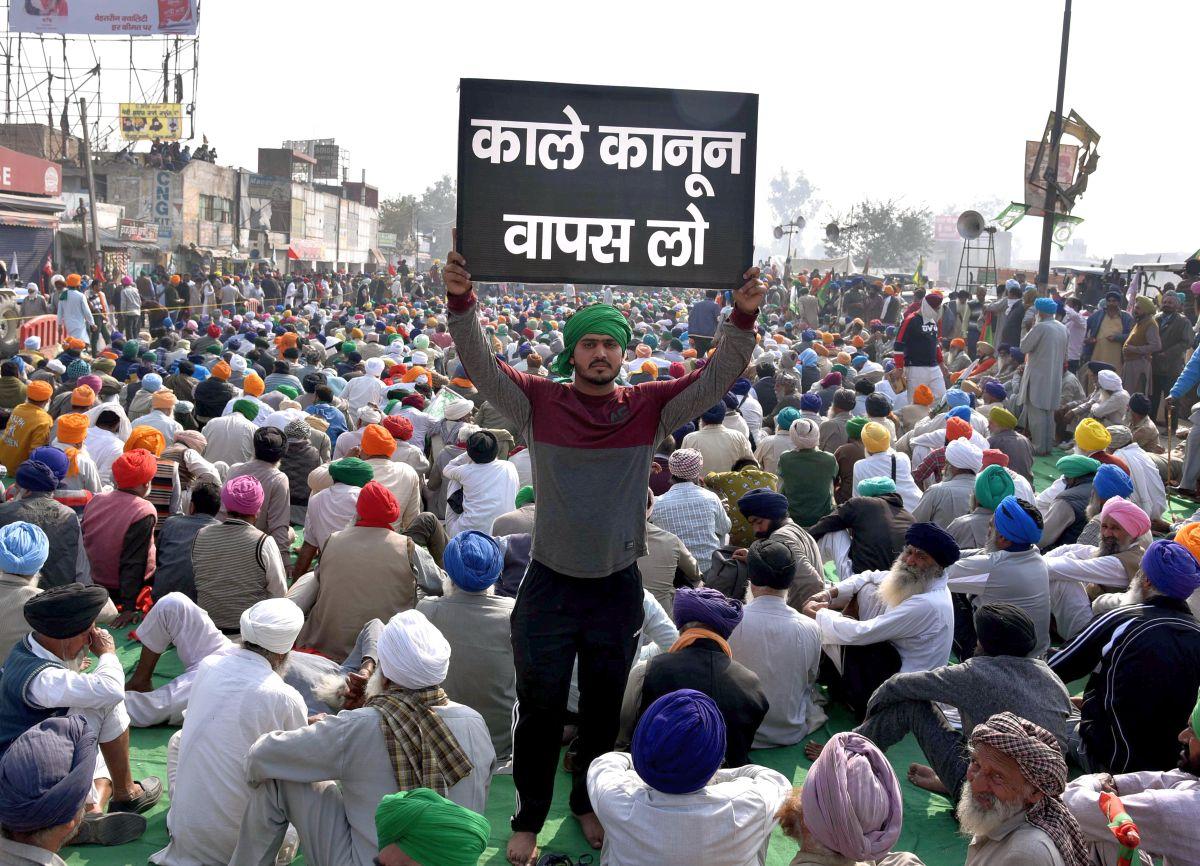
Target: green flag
<point x="1012" y="215"/>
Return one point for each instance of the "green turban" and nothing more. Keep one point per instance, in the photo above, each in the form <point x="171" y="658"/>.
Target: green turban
<point x="352" y="471"/>
<point x="992" y="485"/>
<point x="421" y="341"/>
<point x="131" y="350"/>
<point x="246" y="408"/>
<point x="785" y="417"/>
<point x="592" y="319"/>
<point x="1196" y="719"/>
<point x="840" y="368"/>
<point x="289" y="390"/>
<point x="876" y="486"/>
<point x="348" y="347"/>
<point x="1077" y="466"/>
<point x="430" y="829"/>
<point x="524" y="495"/>
<point x="854" y="428"/>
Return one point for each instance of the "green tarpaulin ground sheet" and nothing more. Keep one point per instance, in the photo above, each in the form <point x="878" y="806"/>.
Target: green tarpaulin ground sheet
<point x="929" y="828"/>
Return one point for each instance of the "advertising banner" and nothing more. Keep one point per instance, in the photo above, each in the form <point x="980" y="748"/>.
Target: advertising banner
<point x="20" y="172"/>
<point x="145" y="121"/>
<point x="105" y="17"/>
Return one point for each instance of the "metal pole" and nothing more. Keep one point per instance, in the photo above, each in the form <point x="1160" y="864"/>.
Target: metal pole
<point x="91" y="182"/>
<point x="1043" y="275"/>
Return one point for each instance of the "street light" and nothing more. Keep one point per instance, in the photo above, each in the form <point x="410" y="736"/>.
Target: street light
<point x="789" y="229"/>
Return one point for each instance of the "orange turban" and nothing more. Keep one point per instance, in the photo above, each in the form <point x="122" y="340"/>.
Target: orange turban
<point x="843" y="357"/>
<point x="957" y="428"/>
<point x="252" y="384"/>
<point x="413" y="374"/>
<point x="75" y="343"/>
<point x="146" y="439"/>
<point x="83" y="396"/>
<point x="827" y="339"/>
<point x="287" y="340"/>
<point x="858" y="341"/>
<point x="377" y="441"/>
<point x="1189" y="537"/>
<point x="923" y="396"/>
<point x="689" y="353"/>
<point x="39" y="390"/>
<point x="221" y="370"/>
<point x="958" y="343"/>
<point x="175" y="279"/>
<point x="72" y="428"/>
<point x="134" y="468"/>
<point x="164" y="400"/>
<point x="74" y="281"/>
<point x="820" y="349"/>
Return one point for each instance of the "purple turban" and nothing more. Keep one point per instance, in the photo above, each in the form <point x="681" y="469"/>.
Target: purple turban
<point x="679" y="742"/>
<point x="851" y="799"/>
<point x="831" y="380"/>
<point x="92" y="381"/>
<point x="53" y="457"/>
<point x="810" y="402"/>
<point x="36" y="476"/>
<point x="994" y="389"/>
<point x="46" y="774"/>
<point x="1171" y="569"/>
<point x="242" y="494"/>
<point x="708" y="606"/>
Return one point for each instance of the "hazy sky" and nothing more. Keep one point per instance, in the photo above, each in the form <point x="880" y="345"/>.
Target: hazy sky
<point x="928" y="101"/>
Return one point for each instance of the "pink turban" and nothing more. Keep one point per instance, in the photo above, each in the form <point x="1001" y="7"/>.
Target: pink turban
<point x="1127" y="515"/>
<point x="242" y="495"/>
<point x="851" y="799"/>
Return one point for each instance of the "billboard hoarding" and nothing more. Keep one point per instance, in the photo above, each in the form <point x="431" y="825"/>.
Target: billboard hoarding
<point x="145" y="121"/>
<point x="105" y="17"/>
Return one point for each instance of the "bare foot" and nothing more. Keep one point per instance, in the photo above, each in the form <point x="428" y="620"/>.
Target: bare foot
<point x="592" y="829"/>
<point x="522" y="849"/>
<point x="812" y="750"/>
<point x="926" y="779"/>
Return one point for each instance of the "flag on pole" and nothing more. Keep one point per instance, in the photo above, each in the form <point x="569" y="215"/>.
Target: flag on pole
<point x="1012" y="215"/>
<point x="919" y="274"/>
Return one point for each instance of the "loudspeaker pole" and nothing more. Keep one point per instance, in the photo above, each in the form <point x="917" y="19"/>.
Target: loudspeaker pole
<point x="1043" y="275"/>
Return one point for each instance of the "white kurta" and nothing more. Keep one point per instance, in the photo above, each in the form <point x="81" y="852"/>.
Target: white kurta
<point x="75" y="316"/>
<point x="489" y="490"/>
<point x="1163" y="805"/>
<point x="1149" y="493"/>
<point x="880" y="465"/>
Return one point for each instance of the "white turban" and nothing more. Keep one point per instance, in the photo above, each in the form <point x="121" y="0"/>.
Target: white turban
<point x="412" y="652"/>
<point x="33" y="343"/>
<point x="237" y="363"/>
<point x="961" y="454"/>
<point x="420" y="358"/>
<point x="1109" y="380"/>
<point x="272" y="624"/>
<point x="280" y="418"/>
<point x="369" y="415"/>
<point x="375" y="367"/>
<point x="456" y="410"/>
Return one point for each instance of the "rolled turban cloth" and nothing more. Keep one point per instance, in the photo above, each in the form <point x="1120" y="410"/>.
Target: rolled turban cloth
<point x="592" y="319"/>
<point x="248" y="409"/>
<point x="875" y="437"/>
<point x="221" y="370"/>
<point x="377" y="506"/>
<point x="193" y="439"/>
<point x="1171" y="568"/>
<point x="36" y="476"/>
<point x="151" y="382"/>
<point x="962" y="454"/>
<point x="1015" y="524"/>
<point x="352" y="471"/>
<point x="483" y="446"/>
<point x="347" y="347"/>
<point x="770" y="563"/>
<point x="413" y="654"/>
<point x="1002" y="418"/>
<point x="807" y="358"/>
<point x="146" y="438"/>
<point x="957" y="428"/>
<point x="83" y="396"/>
<point x="46" y="774"/>
<point x="851" y="799"/>
<point x="1125" y="514"/>
<point x="164" y="400"/>
<point x="253" y="385"/>
<point x="933" y="540"/>
<point x="473" y="560"/>
<point x="877" y="486"/>
<point x="1139" y="404"/>
<point x="458" y="409"/>
<point x="431" y="829"/>
<point x="831" y="380"/>
<point x="1144" y="304"/>
<point x="65" y="611"/>
<point x="709" y="607"/>
<point x="131" y="350"/>
<point x="1120" y="435"/>
<point x="854" y="428"/>
<point x="1037" y="753"/>
<point x="994" y="457"/>
<point x="1189" y="537"/>
<point x="242" y="494"/>
<point x="644" y="351"/>
<point x="715" y="414"/>
<point x="294" y="431"/>
<point x="923" y="395"/>
<point x="23" y="548"/>
<point x="134" y="468"/>
<point x="399" y="426"/>
<point x="39" y="390"/>
<point x="377" y="441"/>
<point x="1004" y="629"/>
<point x="741" y="387"/>
<point x="686" y="463"/>
<point x="1046" y="306"/>
<point x="764" y="503"/>
<point x="994" y="389"/>
<point x="804" y="433"/>
<point x="963" y="413"/>
<point x="992" y="485"/>
<point x="956" y="397"/>
<point x="524" y="496"/>
<point x="1077" y="466"/>
<point x="1109" y="380"/>
<point x="810" y="402"/>
<point x="677" y="370"/>
<point x="788" y="415"/>
<point x="288" y="391"/>
<point x="272" y="624"/>
<point x="1112" y="481"/>
<point x="679" y="742"/>
<point x="53" y="457"/>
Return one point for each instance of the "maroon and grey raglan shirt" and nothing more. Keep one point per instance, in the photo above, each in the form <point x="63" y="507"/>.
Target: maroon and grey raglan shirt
<point x="590" y="456"/>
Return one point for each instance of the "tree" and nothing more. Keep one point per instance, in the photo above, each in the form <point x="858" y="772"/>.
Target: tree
<point x="790" y="196"/>
<point x="891" y="235"/>
<point x="396" y="215"/>
<point x="437" y="212"/>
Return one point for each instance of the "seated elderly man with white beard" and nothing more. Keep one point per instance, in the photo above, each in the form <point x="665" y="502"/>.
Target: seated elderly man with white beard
<point x="904" y="622"/>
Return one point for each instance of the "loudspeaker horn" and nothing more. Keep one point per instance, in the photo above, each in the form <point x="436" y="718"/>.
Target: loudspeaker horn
<point x="971" y="224"/>
<point x="832" y="232"/>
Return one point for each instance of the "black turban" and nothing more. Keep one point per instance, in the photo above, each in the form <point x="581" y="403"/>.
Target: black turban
<point x="770" y="564"/>
<point x="269" y="444"/>
<point x="1139" y="404"/>
<point x="935" y="541"/>
<point x="1005" y="630"/>
<point x="482" y="446"/>
<point x="65" y="611"/>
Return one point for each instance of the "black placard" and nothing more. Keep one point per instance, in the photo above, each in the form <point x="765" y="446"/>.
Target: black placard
<point x="543" y="196"/>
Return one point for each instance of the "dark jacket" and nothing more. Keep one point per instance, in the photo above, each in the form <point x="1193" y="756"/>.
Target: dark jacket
<point x="877" y="524"/>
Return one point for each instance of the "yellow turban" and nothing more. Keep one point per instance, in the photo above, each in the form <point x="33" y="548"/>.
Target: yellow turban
<point x="876" y="438"/>
<point x="72" y="428"/>
<point x="1002" y="418"/>
<point x="1091" y="436"/>
<point x="146" y="438"/>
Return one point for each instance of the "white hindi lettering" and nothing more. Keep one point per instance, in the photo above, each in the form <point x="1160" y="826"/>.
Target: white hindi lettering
<point x="497" y="141"/>
<point x="688" y="237"/>
<point x="623" y="146"/>
<point x="604" y="238"/>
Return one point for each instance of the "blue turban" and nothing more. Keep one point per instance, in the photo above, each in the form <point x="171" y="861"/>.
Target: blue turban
<point x="715" y="415"/>
<point x="23" y="548"/>
<point x="808" y="334"/>
<point x="858" y="361"/>
<point x="679" y="742"/>
<point x="995" y="389"/>
<point x="36" y="476"/>
<point x="741" y="387"/>
<point x="1111" y="481"/>
<point x="46" y="773"/>
<point x="473" y="560"/>
<point x="932" y="539"/>
<point x="810" y="402"/>
<point x="200" y="373"/>
<point x="1046" y="306"/>
<point x="650" y="340"/>
<point x="956" y="397"/>
<point x="1016" y="354"/>
<point x="963" y="412"/>
<point x="53" y="457"/>
<point x="152" y="382"/>
<point x="807" y="358"/>
<point x="763" y="503"/>
<point x="1171" y="569"/>
<point x="710" y="607"/>
<point x="1015" y="524"/>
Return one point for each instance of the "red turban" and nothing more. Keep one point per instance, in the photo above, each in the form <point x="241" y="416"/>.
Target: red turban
<point x="377" y="506"/>
<point x="399" y="426"/>
<point x="994" y="456"/>
<point x="134" y="468"/>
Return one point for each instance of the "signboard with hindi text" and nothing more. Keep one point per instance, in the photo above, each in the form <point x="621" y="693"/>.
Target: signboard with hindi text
<point x="572" y="183"/>
<point x="105" y="17"/>
<point x="146" y="121"/>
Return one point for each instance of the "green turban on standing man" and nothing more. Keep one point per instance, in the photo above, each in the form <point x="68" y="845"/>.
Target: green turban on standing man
<point x="592" y="319"/>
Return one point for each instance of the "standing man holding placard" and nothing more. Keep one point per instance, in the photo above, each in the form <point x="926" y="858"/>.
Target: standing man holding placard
<point x="592" y="444"/>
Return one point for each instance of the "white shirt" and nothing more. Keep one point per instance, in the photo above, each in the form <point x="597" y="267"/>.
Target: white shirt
<point x="751" y="411"/>
<point x="103" y="447"/>
<point x="1149" y="494"/>
<point x="235" y="699"/>
<point x="880" y="465"/>
<point x="1080" y="562"/>
<point x="330" y="510"/>
<point x="88" y="477"/>
<point x="99" y="688"/>
<point x="420" y="421"/>
<point x="770" y="449"/>
<point x="783" y="647"/>
<point x="409" y="454"/>
<point x="521" y="461"/>
<point x="230" y="439"/>
<point x="75" y="315"/>
<point x="489" y="490"/>
<point x="1163" y="805"/>
<point x="162" y="422"/>
<point x="728" y="822"/>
